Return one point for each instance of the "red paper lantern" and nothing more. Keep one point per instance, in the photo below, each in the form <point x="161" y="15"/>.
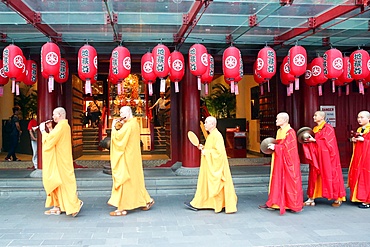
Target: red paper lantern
<point x="346" y="77"/>
<point x="13" y="65"/>
<point x="31" y="73"/>
<point x="231" y="65"/>
<point x="308" y="78"/>
<point x="297" y="62"/>
<point x="257" y="77"/>
<point x="359" y="60"/>
<point x="207" y="77"/>
<point x="318" y="75"/>
<point x="161" y="67"/>
<point x="266" y="63"/>
<point x="120" y="65"/>
<point x="63" y="72"/>
<point x="198" y="62"/>
<point x="3" y="78"/>
<point x="240" y="76"/>
<point x="177" y="68"/>
<point x="50" y="63"/>
<point x="147" y="71"/>
<point x="87" y="65"/>
<point x="286" y="77"/>
<point x="333" y="65"/>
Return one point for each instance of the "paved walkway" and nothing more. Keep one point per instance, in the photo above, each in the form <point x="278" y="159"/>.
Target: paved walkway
<point x="169" y="223"/>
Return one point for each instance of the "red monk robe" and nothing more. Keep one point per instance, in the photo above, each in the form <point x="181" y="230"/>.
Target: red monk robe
<point x="359" y="170"/>
<point x="325" y="177"/>
<point x="285" y="189"/>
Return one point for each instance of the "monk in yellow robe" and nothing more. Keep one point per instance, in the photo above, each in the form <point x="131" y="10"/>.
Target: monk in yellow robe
<point x="128" y="190"/>
<point x="58" y="175"/>
<point x="215" y="188"/>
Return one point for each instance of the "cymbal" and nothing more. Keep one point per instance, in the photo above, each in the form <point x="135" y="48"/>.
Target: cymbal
<point x="265" y="143"/>
<point x="304" y="133"/>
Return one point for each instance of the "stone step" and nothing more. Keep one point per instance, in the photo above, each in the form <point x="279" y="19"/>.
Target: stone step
<point x="176" y="185"/>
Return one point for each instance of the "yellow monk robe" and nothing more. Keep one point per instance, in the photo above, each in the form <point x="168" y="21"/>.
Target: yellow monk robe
<point x="215" y="188"/>
<point x="58" y="175"/>
<point x="128" y="190"/>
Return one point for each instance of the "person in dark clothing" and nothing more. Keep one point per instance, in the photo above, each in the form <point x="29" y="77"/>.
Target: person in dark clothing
<point x="95" y="114"/>
<point x="14" y="135"/>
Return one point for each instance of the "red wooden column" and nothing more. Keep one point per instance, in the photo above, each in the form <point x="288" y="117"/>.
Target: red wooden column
<point x="190" y="112"/>
<point x="46" y="102"/>
<point x="310" y="106"/>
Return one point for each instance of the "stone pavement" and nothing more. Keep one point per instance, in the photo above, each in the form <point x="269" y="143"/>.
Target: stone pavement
<point x="169" y="223"/>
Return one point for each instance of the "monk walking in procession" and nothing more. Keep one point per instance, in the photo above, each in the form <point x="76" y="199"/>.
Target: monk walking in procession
<point x="285" y="188"/>
<point x="58" y="175"/>
<point x="215" y="188"/>
<point x="325" y="178"/>
<point x="359" y="170"/>
<point x="128" y="190"/>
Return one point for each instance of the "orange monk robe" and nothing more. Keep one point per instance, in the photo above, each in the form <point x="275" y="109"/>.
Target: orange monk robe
<point x="325" y="177"/>
<point x="215" y="188"/>
<point x="128" y="190"/>
<point x="285" y="188"/>
<point x="359" y="170"/>
<point x="58" y="175"/>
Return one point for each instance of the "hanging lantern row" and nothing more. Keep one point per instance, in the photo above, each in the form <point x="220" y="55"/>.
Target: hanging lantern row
<point x="341" y="71"/>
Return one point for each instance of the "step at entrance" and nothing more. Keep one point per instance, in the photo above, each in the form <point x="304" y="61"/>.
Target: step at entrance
<point x="90" y="141"/>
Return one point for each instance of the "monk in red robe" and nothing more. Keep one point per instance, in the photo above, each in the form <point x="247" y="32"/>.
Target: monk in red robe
<point x="325" y="178"/>
<point x="285" y="188"/>
<point x="359" y="170"/>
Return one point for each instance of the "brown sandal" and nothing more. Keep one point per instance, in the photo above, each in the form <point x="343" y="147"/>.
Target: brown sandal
<point x="337" y="204"/>
<point x="118" y="213"/>
<point x="148" y="205"/>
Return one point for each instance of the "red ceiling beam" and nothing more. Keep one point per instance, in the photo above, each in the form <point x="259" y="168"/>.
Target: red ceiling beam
<point x="33" y="18"/>
<point x="315" y="22"/>
<point x="3" y="37"/>
<point x="189" y="20"/>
